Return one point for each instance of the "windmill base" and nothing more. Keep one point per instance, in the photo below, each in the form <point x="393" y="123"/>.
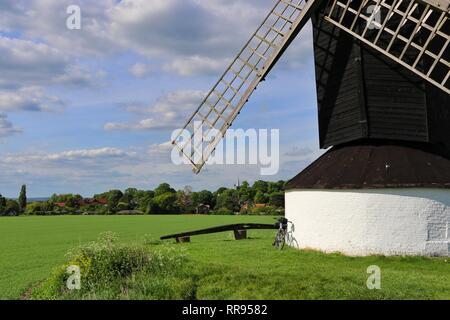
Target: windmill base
<point x="372" y="222"/>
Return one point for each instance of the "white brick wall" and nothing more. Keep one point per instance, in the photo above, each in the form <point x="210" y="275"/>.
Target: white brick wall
<point x="364" y="222"/>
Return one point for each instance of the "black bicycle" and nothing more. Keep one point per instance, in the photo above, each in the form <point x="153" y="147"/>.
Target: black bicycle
<point x="280" y="238"/>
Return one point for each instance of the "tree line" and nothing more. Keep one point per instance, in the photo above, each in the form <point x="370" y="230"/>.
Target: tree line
<point x="9" y="207"/>
<point x="260" y="198"/>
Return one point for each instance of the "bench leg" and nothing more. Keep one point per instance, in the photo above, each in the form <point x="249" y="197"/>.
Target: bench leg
<point x="240" y="234"/>
<point x="183" y="240"/>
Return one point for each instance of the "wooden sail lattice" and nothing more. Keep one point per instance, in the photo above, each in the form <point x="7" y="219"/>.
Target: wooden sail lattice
<point x="413" y="33"/>
<point x="221" y="106"/>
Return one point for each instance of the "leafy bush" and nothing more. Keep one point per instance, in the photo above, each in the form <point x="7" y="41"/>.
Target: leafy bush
<point x="223" y="212"/>
<point x="114" y="271"/>
<point x="266" y="211"/>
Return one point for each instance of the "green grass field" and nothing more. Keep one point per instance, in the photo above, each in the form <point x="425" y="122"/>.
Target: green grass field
<point x="31" y="247"/>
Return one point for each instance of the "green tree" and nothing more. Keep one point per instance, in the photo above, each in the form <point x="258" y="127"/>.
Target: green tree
<point x="71" y="200"/>
<point x="23" y="199"/>
<point x="143" y="200"/>
<point x="2" y="205"/>
<point x="114" y="197"/>
<point x="276" y="199"/>
<point x="164" y="188"/>
<point x="220" y="190"/>
<point x="203" y="197"/>
<point x="12" y="208"/>
<point x="261" y="186"/>
<point x="261" y="197"/>
<point x="246" y="193"/>
<point x="123" y="206"/>
<point x="164" y="204"/>
<point x="228" y="199"/>
<point x="34" y="208"/>
<point x="130" y="196"/>
<point x="185" y="201"/>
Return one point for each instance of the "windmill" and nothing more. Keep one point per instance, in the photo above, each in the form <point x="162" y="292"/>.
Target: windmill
<point x="383" y="87"/>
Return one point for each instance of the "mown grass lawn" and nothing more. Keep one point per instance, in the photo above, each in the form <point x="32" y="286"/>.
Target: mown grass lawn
<point x="31" y="247"/>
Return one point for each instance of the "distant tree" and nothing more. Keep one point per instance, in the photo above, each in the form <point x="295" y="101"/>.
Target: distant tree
<point x="185" y="201"/>
<point x="228" y="199"/>
<point x="164" y="188"/>
<point x="222" y="212"/>
<point x="73" y="201"/>
<point x="34" y="208"/>
<point x="261" y="197"/>
<point x="23" y="199"/>
<point x="261" y="186"/>
<point x="220" y="190"/>
<point x="2" y="205"/>
<point x="164" y="204"/>
<point x="276" y="199"/>
<point x="47" y="206"/>
<point x="123" y="206"/>
<point x="281" y="185"/>
<point x="143" y="200"/>
<point x="12" y="208"/>
<point x="130" y="197"/>
<point x="203" y="197"/>
<point x="114" y="197"/>
<point x="245" y="185"/>
<point x="246" y="193"/>
<point x="70" y="200"/>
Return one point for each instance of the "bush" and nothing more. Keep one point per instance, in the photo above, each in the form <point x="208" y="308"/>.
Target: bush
<point x="222" y="212"/>
<point x="267" y="211"/>
<point x="113" y="271"/>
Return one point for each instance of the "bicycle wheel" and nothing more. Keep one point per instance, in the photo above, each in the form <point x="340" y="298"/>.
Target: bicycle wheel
<point x="283" y="241"/>
<point x="280" y="240"/>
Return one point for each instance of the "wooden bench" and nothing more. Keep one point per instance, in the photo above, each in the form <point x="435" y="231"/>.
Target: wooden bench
<point x="239" y="230"/>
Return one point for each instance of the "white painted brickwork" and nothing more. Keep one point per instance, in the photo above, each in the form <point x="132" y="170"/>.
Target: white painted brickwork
<point x="365" y="222"/>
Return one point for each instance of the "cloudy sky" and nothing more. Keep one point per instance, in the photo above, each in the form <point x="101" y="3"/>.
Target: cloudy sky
<point x="89" y="110"/>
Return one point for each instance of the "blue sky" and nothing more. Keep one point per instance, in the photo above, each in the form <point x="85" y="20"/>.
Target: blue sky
<point x="88" y="110"/>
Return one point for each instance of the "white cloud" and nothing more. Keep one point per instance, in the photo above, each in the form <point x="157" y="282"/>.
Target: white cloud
<point x="169" y="112"/>
<point x="197" y="65"/>
<point x="71" y="155"/>
<point x="28" y="99"/>
<point x="28" y="63"/>
<point x="6" y="127"/>
<point x="79" y="76"/>
<point x="191" y="37"/>
<point x="73" y="171"/>
<point x="46" y="20"/>
<point x="299" y="152"/>
<point x="183" y="29"/>
<point x="141" y="70"/>
<point x="25" y="62"/>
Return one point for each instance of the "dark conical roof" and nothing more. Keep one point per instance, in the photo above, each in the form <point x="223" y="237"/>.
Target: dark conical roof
<point x="376" y="164"/>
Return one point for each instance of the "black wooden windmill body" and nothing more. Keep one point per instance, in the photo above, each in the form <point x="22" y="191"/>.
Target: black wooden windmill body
<point x="383" y="87"/>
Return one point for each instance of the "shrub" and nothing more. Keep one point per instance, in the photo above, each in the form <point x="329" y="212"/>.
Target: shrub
<point x="267" y="211"/>
<point x="113" y="271"/>
<point x="223" y="212"/>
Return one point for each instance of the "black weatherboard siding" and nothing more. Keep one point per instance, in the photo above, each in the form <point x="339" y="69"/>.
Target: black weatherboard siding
<point x="362" y="94"/>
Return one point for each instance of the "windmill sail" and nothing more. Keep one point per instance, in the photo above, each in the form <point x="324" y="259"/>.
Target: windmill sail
<point x="224" y="102"/>
<point x="413" y="33"/>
